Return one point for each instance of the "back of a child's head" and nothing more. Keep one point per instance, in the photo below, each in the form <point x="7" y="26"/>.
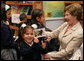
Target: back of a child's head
<point x="36" y="13"/>
<point x="22" y="16"/>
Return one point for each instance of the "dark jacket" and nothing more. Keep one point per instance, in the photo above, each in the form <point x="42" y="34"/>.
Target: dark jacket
<point x="7" y="40"/>
<point x="53" y="45"/>
<point x="31" y="52"/>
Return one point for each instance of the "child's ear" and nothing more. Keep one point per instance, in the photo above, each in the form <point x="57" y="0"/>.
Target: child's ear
<point x="37" y="18"/>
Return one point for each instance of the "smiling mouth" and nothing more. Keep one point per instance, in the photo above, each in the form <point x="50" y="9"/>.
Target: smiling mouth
<point x="29" y="39"/>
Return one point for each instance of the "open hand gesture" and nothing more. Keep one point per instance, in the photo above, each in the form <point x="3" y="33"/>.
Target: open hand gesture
<point x="36" y="40"/>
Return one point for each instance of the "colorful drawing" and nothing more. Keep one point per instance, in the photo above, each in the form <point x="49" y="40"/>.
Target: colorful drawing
<point x="19" y="9"/>
<point x="53" y="9"/>
<point x="15" y="18"/>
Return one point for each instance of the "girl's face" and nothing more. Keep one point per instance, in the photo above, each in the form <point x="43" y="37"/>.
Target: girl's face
<point x="41" y="19"/>
<point x="69" y="18"/>
<point x="28" y="36"/>
<point x="8" y="14"/>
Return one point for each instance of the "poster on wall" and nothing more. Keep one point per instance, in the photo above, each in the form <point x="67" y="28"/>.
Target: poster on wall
<point x="19" y="9"/>
<point x="16" y="10"/>
<point x="15" y="18"/>
<point x="53" y="9"/>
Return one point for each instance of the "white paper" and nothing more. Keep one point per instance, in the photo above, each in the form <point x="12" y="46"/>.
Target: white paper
<point x="15" y="18"/>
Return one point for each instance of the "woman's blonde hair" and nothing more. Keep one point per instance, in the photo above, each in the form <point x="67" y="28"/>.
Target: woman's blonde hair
<point x="75" y="10"/>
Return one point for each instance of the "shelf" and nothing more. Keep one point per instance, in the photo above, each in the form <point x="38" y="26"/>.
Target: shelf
<point x="80" y="2"/>
<point x="19" y="3"/>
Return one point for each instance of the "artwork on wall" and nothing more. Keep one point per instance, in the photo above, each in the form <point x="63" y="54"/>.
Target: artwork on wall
<point x="53" y="9"/>
<point x="15" y="18"/>
<point x="19" y="9"/>
<point x="16" y="10"/>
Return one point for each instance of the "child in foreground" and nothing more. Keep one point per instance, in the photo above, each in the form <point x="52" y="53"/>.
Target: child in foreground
<point x="30" y="48"/>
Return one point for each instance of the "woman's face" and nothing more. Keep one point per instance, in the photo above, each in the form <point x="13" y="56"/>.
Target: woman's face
<point x="8" y="14"/>
<point x="69" y="18"/>
<point x="28" y="36"/>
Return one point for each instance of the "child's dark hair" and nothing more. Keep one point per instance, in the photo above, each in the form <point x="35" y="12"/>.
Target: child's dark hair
<point x="22" y="16"/>
<point x="3" y="14"/>
<point x="23" y="30"/>
<point x="36" y="13"/>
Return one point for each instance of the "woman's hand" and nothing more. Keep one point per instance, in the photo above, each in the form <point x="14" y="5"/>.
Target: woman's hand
<point x="46" y="56"/>
<point x="36" y="40"/>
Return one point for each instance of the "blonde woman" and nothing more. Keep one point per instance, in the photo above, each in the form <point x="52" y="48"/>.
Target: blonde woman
<point x="70" y="34"/>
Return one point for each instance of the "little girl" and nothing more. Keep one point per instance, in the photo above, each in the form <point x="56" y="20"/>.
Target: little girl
<point x="30" y="48"/>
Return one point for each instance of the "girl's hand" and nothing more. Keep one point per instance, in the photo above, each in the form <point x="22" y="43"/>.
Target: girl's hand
<point x="43" y="44"/>
<point x="48" y="39"/>
<point x="36" y="40"/>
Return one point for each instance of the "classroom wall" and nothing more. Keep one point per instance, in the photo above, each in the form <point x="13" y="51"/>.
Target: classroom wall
<point x="55" y="18"/>
<point x="53" y="23"/>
